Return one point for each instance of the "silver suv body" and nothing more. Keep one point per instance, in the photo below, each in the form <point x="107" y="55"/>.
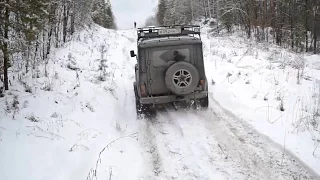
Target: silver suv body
<point x="170" y="67"/>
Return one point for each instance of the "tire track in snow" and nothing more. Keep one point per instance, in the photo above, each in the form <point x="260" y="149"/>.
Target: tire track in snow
<point x="256" y="156"/>
<point x="151" y="130"/>
<point x="179" y="156"/>
<point x="230" y="147"/>
<point x="169" y="140"/>
<point x="151" y="147"/>
<point x="205" y="147"/>
<point x="236" y="160"/>
<point x="182" y="148"/>
<point x="153" y="166"/>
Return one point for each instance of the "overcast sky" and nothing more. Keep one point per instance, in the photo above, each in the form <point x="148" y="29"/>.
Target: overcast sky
<point x="128" y="11"/>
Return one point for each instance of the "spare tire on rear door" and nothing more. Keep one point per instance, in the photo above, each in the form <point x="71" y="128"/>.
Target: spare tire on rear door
<point x="182" y="78"/>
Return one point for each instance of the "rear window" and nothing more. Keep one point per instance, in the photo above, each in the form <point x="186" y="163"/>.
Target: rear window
<point x="164" y="57"/>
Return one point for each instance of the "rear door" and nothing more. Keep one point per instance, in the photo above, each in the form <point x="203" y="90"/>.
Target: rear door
<point x="159" y="59"/>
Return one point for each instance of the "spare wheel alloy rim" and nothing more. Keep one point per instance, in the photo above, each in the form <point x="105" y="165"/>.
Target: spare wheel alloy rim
<point x="182" y="78"/>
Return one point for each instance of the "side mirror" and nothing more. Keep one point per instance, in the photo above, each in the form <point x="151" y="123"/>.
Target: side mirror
<point x="132" y="54"/>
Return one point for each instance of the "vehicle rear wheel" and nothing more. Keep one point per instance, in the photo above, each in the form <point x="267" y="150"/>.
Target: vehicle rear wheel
<point x="182" y="78"/>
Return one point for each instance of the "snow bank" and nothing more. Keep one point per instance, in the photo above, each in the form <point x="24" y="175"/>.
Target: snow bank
<point x="259" y="83"/>
<point x="59" y="129"/>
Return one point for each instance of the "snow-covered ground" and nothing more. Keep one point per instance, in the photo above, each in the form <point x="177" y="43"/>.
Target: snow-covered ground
<point x="82" y="124"/>
<point x="258" y="83"/>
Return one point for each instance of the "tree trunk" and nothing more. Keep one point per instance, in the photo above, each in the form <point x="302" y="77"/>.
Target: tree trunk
<point x="52" y="20"/>
<point x="315" y="42"/>
<point x="205" y="10"/>
<point x="191" y="5"/>
<point x="72" y="18"/>
<point x="35" y="55"/>
<point x="315" y="31"/>
<point x="28" y="58"/>
<point x="5" y="48"/>
<point x="292" y="31"/>
<point x="65" y="20"/>
<point x="306" y="24"/>
<point x="57" y="29"/>
<point x="210" y="16"/>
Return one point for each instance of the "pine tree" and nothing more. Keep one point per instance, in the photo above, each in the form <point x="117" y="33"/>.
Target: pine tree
<point x="28" y="29"/>
<point x="170" y="13"/>
<point x="110" y="17"/>
<point x="23" y="19"/>
<point x="4" y="37"/>
<point x="162" y="8"/>
<point x="102" y="14"/>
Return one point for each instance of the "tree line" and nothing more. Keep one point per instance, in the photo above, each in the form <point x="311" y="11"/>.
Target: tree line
<point x="29" y="29"/>
<point x="288" y="23"/>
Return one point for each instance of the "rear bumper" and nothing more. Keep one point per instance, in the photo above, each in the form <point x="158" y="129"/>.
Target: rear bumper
<point x="172" y="98"/>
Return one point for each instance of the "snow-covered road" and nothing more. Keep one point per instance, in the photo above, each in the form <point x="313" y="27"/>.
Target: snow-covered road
<point x="101" y="137"/>
<point x="214" y="144"/>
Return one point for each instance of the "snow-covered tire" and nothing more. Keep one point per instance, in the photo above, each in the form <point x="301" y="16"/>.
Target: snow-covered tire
<point x="182" y="78"/>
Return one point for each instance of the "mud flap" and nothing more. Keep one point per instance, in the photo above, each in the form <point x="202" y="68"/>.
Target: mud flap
<point x="175" y="106"/>
<point x="140" y="108"/>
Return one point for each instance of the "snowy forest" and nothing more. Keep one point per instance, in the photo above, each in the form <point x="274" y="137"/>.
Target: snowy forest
<point x="29" y="29"/>
<point x="288" y="23"/>
<point x="72" y="91"/>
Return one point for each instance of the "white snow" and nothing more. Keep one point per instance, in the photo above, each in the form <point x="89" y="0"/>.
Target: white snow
<point x="75" y="123"/>
<point x="251" y="79"/>
<point x="59" y="134"/>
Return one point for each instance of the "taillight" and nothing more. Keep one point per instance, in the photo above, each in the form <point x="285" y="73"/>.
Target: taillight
<point x="202" y="83"/>
<point x="143" y="90"/>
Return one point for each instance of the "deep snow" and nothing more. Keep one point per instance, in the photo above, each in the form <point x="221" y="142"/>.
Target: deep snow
<point x="59" y="134"/>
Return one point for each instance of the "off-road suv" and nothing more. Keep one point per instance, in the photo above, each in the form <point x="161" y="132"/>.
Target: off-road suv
<point x="169" y="67"/>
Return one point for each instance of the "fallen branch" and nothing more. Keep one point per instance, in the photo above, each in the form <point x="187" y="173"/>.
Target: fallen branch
<point x="226" y="157"/>
<point x="40" y="136"/>
<point x="82" y="134"/>
<point x="76" y="144"/>
<point x="94" y="171"/>
<point x="110" y="173"/>
<point x="314" y="151"/>
<point x="2" y="128"/>
<point x="54" y="135"/>
<point x="265" y="107"/>
<point x="272" y="122"/>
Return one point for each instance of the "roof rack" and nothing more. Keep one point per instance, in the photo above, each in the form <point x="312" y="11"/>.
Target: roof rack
<point x="167" y="31"/>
